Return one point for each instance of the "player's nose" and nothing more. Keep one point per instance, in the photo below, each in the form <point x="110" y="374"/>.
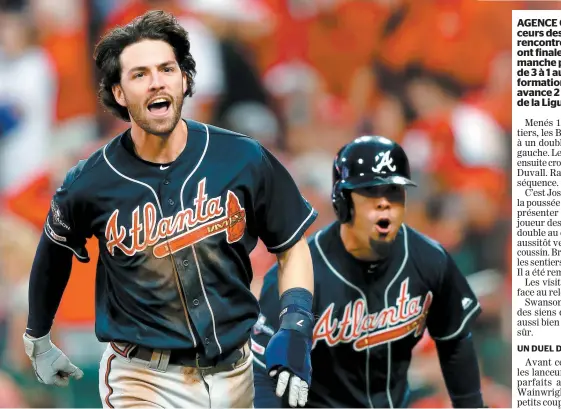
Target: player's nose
<point x="383" y="203"/>
<point x="157" y="82"/>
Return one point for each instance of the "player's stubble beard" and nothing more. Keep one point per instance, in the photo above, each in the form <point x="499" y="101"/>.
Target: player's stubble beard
<point x="159" y="127"/>
<point x="381" y="248"/>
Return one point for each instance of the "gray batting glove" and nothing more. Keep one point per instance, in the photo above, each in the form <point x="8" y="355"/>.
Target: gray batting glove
<point x="297" y="391"/>
<point x="51" y="366"/>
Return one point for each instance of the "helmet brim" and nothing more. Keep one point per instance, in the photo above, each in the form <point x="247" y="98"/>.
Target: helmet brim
<point x="359" y="182"/>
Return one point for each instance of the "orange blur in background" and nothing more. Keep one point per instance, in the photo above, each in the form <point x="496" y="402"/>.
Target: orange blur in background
<point x="303" y="77"/>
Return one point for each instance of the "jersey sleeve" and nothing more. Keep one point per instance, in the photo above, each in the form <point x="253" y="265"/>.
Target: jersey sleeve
<point x="282" y="213"/>
<point x="67" y="220"/>
<point x="454" y="305"/>
<point x="268" y="322"/>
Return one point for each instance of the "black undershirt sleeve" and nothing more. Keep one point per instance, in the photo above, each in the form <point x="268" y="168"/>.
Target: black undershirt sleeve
<point x="49" y="276"/>
<point x="460" y="370"/>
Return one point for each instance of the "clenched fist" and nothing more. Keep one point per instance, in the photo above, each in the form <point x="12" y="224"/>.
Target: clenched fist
<point x="51" y="366"/>
<point x="288" y="355"/>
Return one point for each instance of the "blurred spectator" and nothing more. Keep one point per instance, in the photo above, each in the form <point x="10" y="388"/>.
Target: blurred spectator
<point x="496" y="97"/>
<point x="18" y="240"/>
<point x="455" y="143"/>
<point x="242" y="86"/>
<point x="27" y="99"/>
<point x="63" y="35"/>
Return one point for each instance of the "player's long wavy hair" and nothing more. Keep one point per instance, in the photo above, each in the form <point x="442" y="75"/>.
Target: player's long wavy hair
<point x="153" y="25"/>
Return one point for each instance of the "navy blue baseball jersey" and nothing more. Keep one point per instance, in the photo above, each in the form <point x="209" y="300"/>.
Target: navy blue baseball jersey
<point x="174" y="268"/>
<point x="370" y="316"/>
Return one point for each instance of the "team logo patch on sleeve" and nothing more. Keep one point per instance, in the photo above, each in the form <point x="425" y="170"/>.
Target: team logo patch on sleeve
<point x="56" y="215"/>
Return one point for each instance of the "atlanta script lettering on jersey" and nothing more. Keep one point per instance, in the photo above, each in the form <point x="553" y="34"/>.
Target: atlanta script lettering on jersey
<point x="184" y="229"/>
<point x="368" y="330"/>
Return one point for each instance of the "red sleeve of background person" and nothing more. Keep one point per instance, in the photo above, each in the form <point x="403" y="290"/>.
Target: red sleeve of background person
<point x="261" y="260"/>
<point x="32" y="203"/>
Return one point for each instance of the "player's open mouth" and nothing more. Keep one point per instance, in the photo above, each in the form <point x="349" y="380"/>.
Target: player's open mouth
<point x="383" y="225"/>
<point x="159" y="106"/>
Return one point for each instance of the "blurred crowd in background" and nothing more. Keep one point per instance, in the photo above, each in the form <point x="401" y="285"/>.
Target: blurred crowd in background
<point x="303" y="77"/>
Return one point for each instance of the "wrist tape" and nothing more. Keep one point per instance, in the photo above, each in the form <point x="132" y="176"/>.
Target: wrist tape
<point x="296" y="315"/>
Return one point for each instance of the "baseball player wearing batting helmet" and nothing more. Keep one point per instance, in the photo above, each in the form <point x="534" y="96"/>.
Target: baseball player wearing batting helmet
<point x="378" y="285"/>
<point x="177" y="207"/>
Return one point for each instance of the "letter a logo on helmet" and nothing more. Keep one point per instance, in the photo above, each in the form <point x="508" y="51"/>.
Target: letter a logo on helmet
<point x="384" y="160"/>
<point x="367" y="161"/>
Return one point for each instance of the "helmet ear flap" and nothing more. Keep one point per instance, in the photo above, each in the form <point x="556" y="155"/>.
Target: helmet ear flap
<point x="342" y="205"/>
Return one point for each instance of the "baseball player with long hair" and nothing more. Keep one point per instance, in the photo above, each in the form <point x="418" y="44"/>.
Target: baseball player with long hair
<point x="177" y="206"/>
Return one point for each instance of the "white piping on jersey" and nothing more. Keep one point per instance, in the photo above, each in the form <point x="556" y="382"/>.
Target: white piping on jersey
<point x="206" y="298"/>
<point x="258" y="362"/>
<point x="466" y="318"/>
<point x="405" y="258"/>
<point x="193" y="246"/>
<point x="161" y="212"/>
<point x="343" y="279"/>
<point x="195" y="168"/>
<point x="60" y="244"/>
<point x="295" y="233"/>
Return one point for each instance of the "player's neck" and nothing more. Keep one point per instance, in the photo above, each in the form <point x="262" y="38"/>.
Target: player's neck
<point x="354" y="246"/>
<point x="158" y="149"/>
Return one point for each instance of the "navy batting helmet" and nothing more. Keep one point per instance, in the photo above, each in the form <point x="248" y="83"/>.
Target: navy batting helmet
<point x="367" y="161"/>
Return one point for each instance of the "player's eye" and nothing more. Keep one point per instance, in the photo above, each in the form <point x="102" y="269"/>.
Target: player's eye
<point x="138" y="75"/>
<point x="168" y="69"/>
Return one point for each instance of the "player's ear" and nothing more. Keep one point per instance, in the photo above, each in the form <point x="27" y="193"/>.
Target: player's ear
<point x="350" y="206"/>
<point x="119" y="95"/>
<point x="184" y="76"/>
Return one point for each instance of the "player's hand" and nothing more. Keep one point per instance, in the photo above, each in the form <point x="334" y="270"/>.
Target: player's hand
<point x="51" y="365"/>
<point x="288" y="356"/>
<point x="298" y="389"/>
